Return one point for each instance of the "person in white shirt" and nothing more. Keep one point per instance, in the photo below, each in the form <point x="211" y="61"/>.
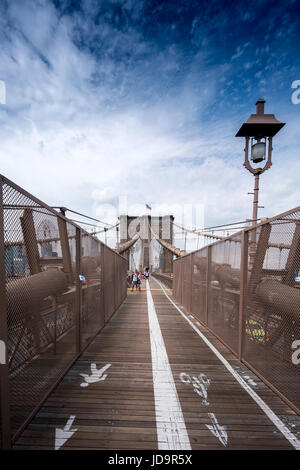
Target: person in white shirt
<point x="134" y="280"/>
<point x="146" y="273"/>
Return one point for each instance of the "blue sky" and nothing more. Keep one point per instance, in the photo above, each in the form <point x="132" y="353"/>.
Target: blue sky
<point x="143" y="98"/>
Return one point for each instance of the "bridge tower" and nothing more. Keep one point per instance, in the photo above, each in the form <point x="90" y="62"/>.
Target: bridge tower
<point x="161" y="226"/>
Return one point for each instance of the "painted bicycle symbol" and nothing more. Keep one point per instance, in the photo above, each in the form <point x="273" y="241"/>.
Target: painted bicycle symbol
<point x="200" y="384"/>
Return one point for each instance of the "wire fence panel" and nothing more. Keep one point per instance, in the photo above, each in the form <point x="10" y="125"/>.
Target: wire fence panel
<point x="224" y="291"/>
<point x="186" y="282"/>
<point x="177" y="280"/>
<point x="199" y="281"/>
<point x="92" y="311"/>
<point x="122" y="283"/>
<point x="176" y="276"/>
<point x="272" y="308"/>
<point x="39" y="345"/>
<point x="246" y="289"/>
<point x="54" y="286"/>
<point x="118" y="282"/>
<point x="109" y="282"/>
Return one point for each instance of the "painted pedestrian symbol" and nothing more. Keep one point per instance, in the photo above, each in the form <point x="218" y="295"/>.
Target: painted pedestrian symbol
<point x="217" y="430"/>
<point x="96" y="375"/>
<point x="200" y="384"/>
<point x="62" y="435"/>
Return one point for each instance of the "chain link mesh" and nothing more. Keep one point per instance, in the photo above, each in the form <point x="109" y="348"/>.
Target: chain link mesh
<point x="199" y="281"/>
<point x="208" y="282"/>
<point x="272" y="307"/>
<point x="224" y="291"/>
<point x="42" y="292"/>
<point x="92" y="318"/>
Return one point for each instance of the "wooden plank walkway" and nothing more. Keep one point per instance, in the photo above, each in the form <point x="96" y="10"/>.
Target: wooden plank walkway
<point x="121" y="410"/>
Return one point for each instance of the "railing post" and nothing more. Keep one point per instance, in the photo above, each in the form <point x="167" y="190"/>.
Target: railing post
<point x="208" y="284"/>
<point x="115" y="283"/>
<point x="78" y="293"/>
<point x="30" y="242"/>
<point x="181" y="279"/>
<point x="122" y="281"/>
<point x="243" y="290"/>
<point x="173" y="282"/>
<point x="65" y="247"/>
<point x="4" y="379"/>
<point x="125" y="281"/>
<point x="102" y="274"/>
<point x="257" y="261"/>
<point x="191" y="283"/>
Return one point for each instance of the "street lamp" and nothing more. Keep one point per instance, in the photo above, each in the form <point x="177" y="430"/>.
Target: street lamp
<point x="259" y="130"/>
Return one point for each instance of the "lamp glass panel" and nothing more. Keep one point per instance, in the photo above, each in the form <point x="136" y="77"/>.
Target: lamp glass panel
<point x="258" y="151"/>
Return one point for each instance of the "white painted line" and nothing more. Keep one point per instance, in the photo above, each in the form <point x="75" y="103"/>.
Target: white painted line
<point x="266" y="409"/>
<point x="170" y="425"/>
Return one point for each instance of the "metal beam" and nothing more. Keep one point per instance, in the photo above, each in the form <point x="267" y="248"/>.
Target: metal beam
<point x="30" y="242"/>
<point x="65" y="247"/>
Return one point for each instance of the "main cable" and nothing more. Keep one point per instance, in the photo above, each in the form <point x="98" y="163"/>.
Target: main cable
<point x="63" y="209"/>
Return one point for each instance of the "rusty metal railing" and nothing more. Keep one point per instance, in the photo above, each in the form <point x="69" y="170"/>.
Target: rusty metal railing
<point x="59" y="285"/>
<point x="251" y="303"/>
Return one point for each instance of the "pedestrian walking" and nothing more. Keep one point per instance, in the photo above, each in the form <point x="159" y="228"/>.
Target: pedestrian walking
<point x="134" y="280"/>
<point x="129" y="278"/>
<point x="139" y="281"/>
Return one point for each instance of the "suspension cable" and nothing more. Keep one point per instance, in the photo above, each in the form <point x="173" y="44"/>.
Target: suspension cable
<point x="209" y="235"/>
<point x="233" y="223"/>
<point x="82" y="222"/>
<point x="82" y="215"/>
<point x="218" y="226"/>
<point x="106" y="229"/>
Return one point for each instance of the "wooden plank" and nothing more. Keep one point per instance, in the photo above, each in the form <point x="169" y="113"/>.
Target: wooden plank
<point x="119" y="412"/>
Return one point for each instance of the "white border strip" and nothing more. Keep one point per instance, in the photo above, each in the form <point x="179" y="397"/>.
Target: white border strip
<point x="170" y="425"/>
<point x="266" y="409"/>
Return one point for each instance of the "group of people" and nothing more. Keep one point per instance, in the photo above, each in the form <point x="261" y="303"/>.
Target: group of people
<point x="135" y="278"/>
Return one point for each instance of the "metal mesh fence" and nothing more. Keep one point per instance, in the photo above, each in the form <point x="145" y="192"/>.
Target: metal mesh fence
<point x="109" y="282"/>
<point x="186" y="279"/>
<point x="272" y="307"/>
<point x="92" y="317"/>
<point x="177" y="281"/>
<point x="246" y="290"/>
<point x="58" y="286"/>
<point x="199" y="282"/>
<point x="224" y="291"/>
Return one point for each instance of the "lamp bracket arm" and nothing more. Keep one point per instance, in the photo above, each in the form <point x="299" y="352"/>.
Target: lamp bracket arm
<point x="246" y="162"/>
<point x="268" y="164"/>
<point x="269" y="161"/>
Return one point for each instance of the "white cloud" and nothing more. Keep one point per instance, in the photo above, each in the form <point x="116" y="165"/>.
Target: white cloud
<point x="79" y="143"/>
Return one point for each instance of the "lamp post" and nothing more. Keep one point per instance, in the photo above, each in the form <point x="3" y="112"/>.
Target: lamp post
<point x="258" y="131"/>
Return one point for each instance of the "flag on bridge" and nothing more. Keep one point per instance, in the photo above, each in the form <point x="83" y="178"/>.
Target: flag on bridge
<point x="148" y="207"/>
